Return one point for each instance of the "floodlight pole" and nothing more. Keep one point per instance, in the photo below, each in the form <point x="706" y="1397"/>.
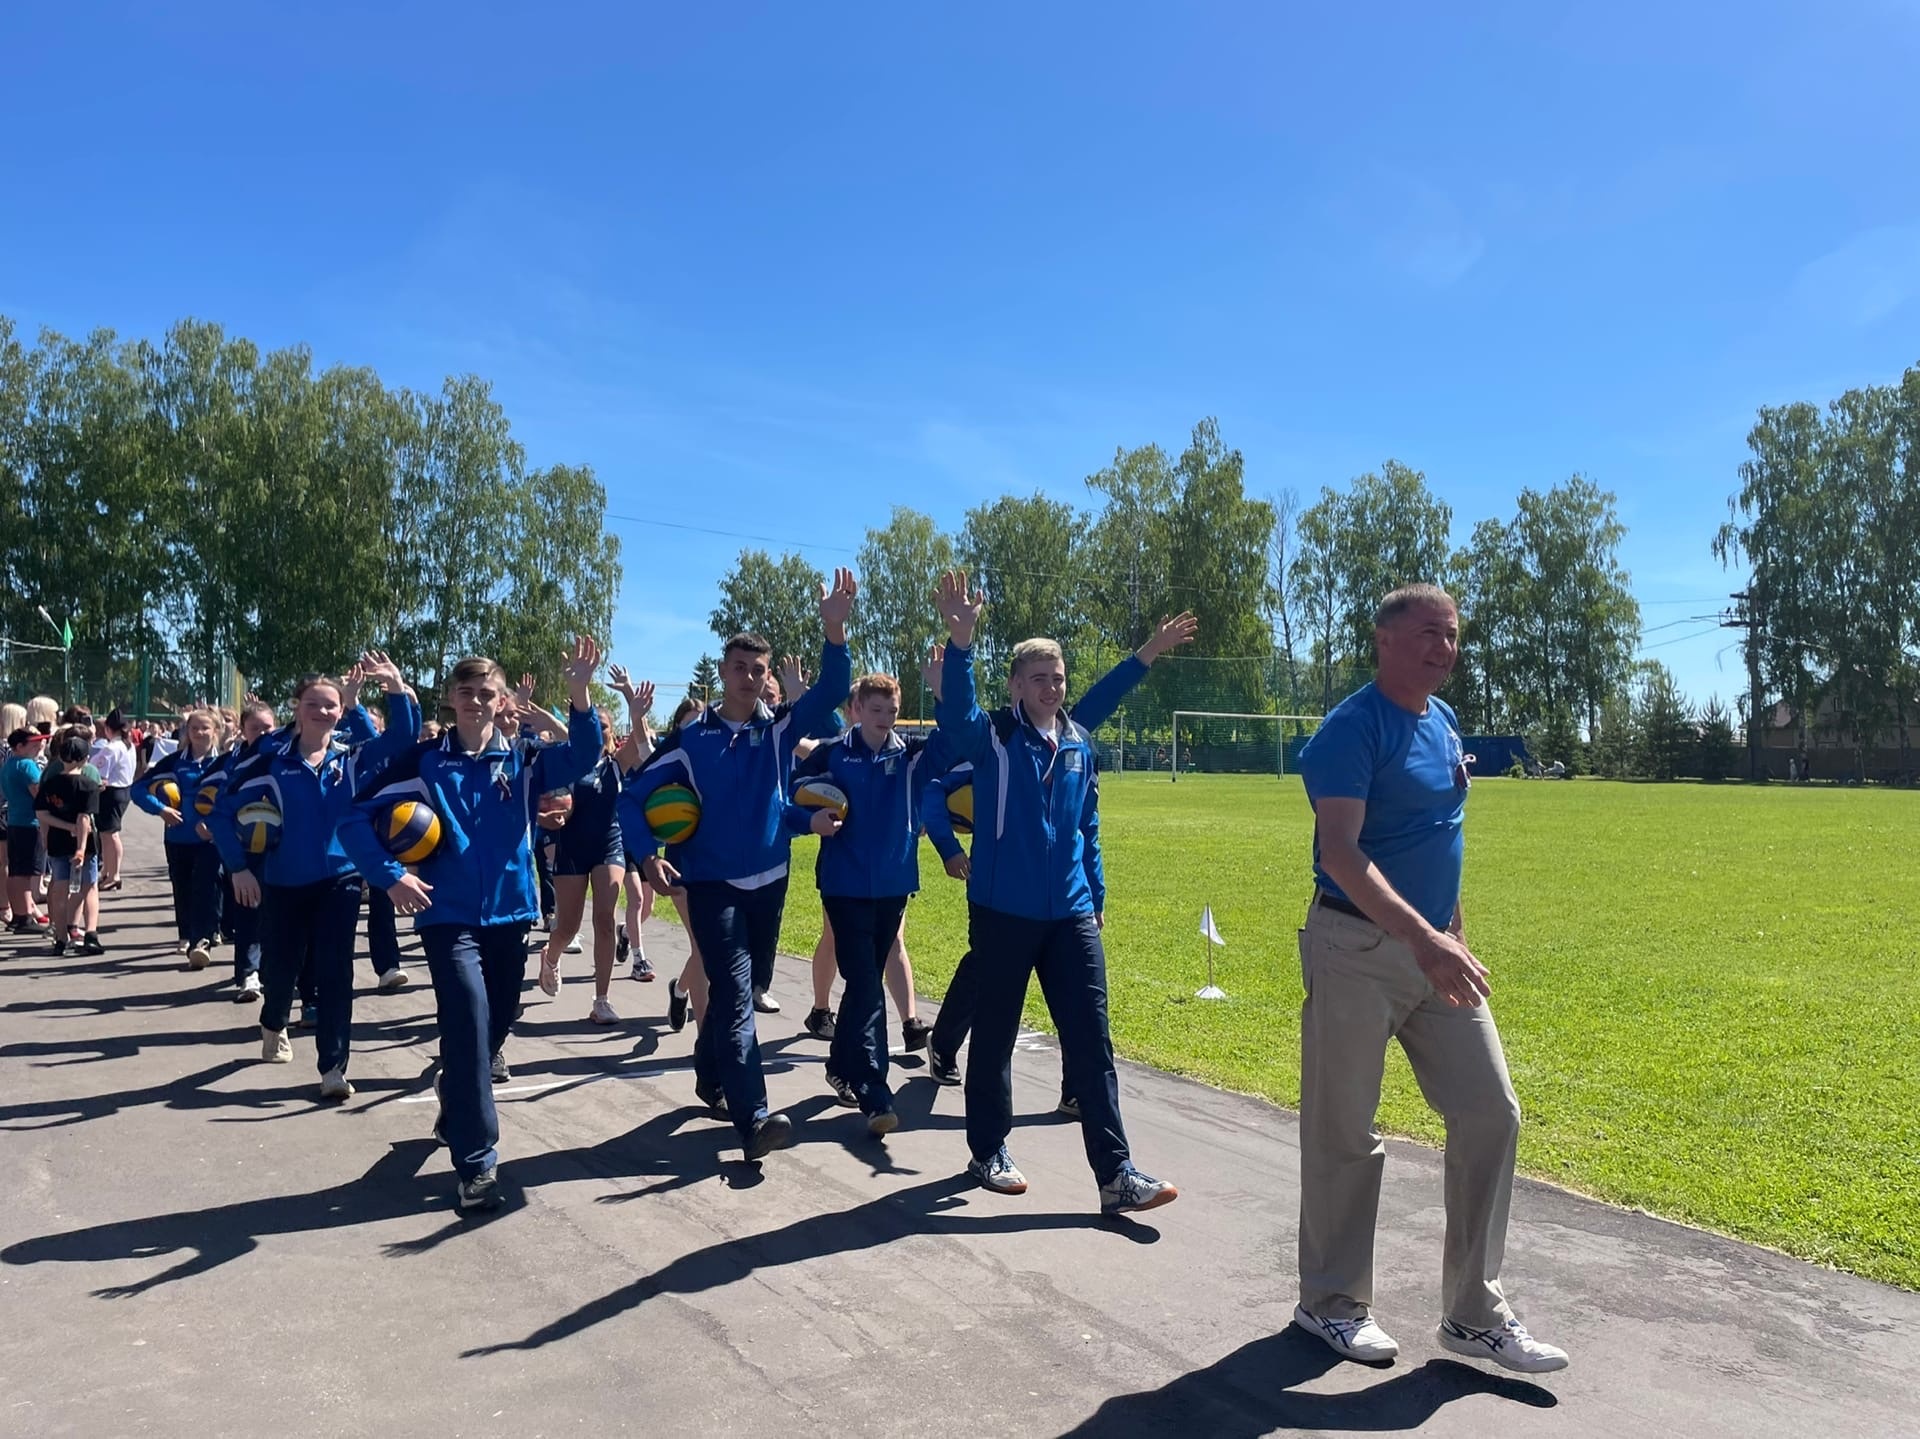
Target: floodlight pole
<point x="66" y="655"/>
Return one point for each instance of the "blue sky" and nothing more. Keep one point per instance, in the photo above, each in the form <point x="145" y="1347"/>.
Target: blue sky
<point x="776" y="268"/>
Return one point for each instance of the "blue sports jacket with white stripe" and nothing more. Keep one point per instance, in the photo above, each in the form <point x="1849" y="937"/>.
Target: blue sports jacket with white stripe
<point x="741" y="776"/>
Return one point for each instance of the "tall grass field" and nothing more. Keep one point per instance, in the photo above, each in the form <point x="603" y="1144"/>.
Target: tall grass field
<point x="1710" y="996"/>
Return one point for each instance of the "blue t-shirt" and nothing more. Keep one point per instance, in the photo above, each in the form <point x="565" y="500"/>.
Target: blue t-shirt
<point x="1411" y="771"/>
<point x="15" y="775"/>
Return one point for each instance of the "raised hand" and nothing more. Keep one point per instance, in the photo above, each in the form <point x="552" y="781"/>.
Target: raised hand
<point x="640" y="699"/>
<point x="837" y="603"/>
<point x="935" y="667"/>
<point x="352" y="681"/>
<point x="580" y="667"/>
<point x="376" y="665"/>
<point x="959" y="608"/>
<point x="793" y="679"/>
<point x="620" y="682"/>
<point x="1169" y="634"/>
<point x="524" y="690"/>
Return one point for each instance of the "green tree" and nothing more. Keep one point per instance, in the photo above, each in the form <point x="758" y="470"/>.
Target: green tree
<point x="1025" y="555"/>
<point x="563" y="577"/>
<point x="1485" y="578"/>
<point x="1616" y="744"/>
<point x="1668" y="739"/>
<point x="705" y="684"/>
<point x="1717" y="755"/>
<point x="1557" y="738"/>
<point x="778" y="600"/>
<point x="898" y="567"/>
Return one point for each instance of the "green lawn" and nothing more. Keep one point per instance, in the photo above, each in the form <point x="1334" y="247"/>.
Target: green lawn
<point x="1709" y="995"/>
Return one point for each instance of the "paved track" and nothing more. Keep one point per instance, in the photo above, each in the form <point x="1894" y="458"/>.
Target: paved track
<point x="191" y="1245"/>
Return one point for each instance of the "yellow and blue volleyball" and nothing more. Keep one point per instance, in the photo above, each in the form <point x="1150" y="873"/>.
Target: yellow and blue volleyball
<point x="960" y="809"/>
<point x="206" y="797"/>
<point x="410" y="831"/>
<point x="673" y="813"/>
<point x="168" y="793"/>
<point x="821" y="794"/>
<point x="259" y="826"/>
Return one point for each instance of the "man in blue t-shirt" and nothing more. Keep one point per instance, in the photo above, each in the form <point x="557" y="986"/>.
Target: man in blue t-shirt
<point x="1384" y="956"/>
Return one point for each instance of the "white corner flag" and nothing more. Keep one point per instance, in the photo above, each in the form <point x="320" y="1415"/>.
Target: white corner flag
<point x="1211" y="933"/>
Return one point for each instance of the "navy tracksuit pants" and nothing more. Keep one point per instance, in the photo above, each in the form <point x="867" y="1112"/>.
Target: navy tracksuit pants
<point x="863" y="933"/>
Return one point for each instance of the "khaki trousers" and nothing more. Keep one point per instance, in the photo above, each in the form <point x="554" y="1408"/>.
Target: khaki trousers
<point x="1363" y="990"/>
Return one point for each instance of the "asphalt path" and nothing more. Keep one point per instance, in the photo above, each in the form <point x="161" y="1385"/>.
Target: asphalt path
<point x="192" y="1244"/>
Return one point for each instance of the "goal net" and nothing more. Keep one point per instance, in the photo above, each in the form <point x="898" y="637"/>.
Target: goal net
<point x="1209" y="742"/>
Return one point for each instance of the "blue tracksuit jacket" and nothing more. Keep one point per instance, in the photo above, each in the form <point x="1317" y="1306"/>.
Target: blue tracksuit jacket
<point x="312" y="800"/>
<point x="742" y="779"/>
<point x="190" y="774"/>
<point x="482" y="873"/>
<point x="876" y="853"/>
<point x="1036" y="809"/>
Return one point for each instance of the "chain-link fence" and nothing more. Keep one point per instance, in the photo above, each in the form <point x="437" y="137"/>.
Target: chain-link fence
<point x="140" y="684"/>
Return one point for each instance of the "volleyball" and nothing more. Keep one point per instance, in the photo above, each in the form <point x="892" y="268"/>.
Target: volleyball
<point x="673" y="813"/>
<point x="206" y="797"/>
<point x="259" y="825"/>
<point x="821" y="794"/>
<point x="168" y="793"/>
<point x="960" y="809"/>
<point x="411" y="831"/>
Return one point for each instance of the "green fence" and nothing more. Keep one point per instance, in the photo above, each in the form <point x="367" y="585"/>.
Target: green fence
<point x="139" y="683"/>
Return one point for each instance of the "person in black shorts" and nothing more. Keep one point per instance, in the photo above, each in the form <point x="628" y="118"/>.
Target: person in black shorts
<point x="67" y="802"/>
<point x="19" y="776"/>
<point x="585" y="849"/>
<point x="113" y="757"/>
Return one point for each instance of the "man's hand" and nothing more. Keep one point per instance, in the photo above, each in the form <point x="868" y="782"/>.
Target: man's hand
<point x="1099" y="919"/>
<point x="836" y="604"/>
<point x="960" y="866"/>
<point x="960" y="610"/>
<point x="524" y="690"/>
<point x="934" y="669"/>
<point x="410" y="894"/>
<point x="1168" y="634"/>
<point x="660" y="874"/>
<point x="246" y="889"/>
<point x="1456" y="976"/>
<point x="826" y="823"/>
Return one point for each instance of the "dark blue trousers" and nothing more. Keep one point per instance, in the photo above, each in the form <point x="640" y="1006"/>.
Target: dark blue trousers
<point x="863" y="932"/>
<point x="383" y="932"/>
<point x="955" y="1019"/>
<point x="1071" y="964"/>
<point x="194" y="872"/>
<point x="246" y="938"/>
<point x="311" y="924"/>
<point x="477" y="973"/>
<point x="734" y="929"/>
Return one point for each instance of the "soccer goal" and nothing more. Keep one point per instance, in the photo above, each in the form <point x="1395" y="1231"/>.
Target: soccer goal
<point x="1211" y="742"/>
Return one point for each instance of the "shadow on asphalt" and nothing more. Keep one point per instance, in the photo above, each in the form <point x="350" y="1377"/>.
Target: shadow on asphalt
<point x="1251" y="1392"/>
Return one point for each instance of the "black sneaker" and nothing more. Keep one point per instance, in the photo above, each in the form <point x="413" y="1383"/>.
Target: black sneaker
<point x="309" y="1016"/>
<point x="914" y="1032"/>
<point x="91" y="944"/>
<point x="941" y="1069"/>
<point x="622" y="946"/>
<point x="59" y="944"/>
<point x="842" y="1092"/>
<point x="773" y="1132"/>
<point x="819" y="1023"/>
<point x="497" y="1069"/>
<point x="1068" y="1106"/>
<point x="715" y="1099"/>
<point x="481" y="1194"/>
<point x="677" y="1003"/>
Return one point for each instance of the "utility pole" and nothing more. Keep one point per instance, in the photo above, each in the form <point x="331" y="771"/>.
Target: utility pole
<point x="1747" y="617"/>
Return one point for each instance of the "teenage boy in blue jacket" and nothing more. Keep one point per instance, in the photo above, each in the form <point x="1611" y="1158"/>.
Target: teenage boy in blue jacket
<point x="868" y="867"/>
<point x="737" y="756"/>
<point x="1035" y="904"/>
<point x="475" y="896"/>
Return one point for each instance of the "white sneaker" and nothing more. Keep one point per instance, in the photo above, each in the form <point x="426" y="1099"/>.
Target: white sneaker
<point x="395" y="978"/>
<point x="199" y="957"/>
<point x="1508" y="1345"/>
<point x="602" y="1012"/>
<point x="249" y="990"/>
<point x="1359" y="1339"/>
<point x="333" y="1085"/>
<point x="574" y="946"/>
<point x="275" y="1047"/>
<point x="765" y="1003"/>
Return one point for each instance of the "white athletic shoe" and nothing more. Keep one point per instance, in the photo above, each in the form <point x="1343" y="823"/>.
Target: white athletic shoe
<point x="275" y="1047"/>
<point x="1359" y="1339"/>
<point x="249" y="992"/>
<point x="395" y="978"/>
<point x="1509" y="1345"/>
<point x="602" y="1012"/>
<point x="574" y="946"/>
<point x="334" y="1086"/>
<point x="200" y="956"/>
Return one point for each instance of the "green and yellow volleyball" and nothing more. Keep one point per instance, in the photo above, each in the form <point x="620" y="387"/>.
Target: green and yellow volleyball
<point x="673" y="813"/>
